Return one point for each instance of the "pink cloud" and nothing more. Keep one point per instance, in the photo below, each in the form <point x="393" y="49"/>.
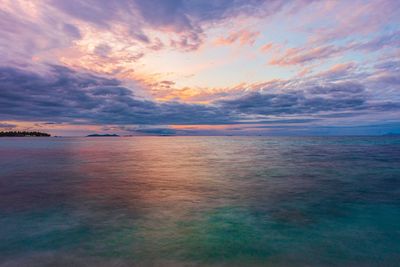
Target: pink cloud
<point x="304" y="71"/>
<point x="244" y="37"/>
<point x="266" y="48"/>
<point x="337" y="71"/>
<point x="358" y="18"/>
<point x="340" y="69"/>
<point x="294" y="56"/>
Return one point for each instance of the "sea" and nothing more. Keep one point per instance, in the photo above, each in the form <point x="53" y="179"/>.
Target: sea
<point x="200" y="201"/>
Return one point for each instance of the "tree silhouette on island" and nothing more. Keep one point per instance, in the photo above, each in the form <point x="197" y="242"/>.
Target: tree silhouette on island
<point x="23" y="134"/>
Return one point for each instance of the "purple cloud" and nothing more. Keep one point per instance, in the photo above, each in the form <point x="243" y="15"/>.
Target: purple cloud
<point x="68" y="96"/>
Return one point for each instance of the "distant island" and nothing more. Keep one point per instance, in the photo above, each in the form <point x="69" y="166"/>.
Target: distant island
<point x="102" y="135"/>
<point x="23" y="134"/>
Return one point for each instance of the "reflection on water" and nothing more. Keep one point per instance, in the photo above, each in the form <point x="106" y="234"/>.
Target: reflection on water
<point x="195" y="201"/>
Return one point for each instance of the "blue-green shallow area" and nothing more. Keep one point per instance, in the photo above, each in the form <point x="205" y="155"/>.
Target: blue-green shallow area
<point x="200" y="201"/>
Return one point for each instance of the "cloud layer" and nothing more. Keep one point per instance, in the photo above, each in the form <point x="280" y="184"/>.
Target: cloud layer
<point x="67" y="96"/>
<point x="150" y="66"/>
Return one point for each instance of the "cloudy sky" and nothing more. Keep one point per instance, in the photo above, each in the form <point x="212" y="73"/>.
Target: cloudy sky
<point x="200" y="67"/>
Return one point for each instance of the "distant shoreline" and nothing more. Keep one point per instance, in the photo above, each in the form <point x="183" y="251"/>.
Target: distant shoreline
<point x="23" y="134"/>
<point x="102" y="135"/>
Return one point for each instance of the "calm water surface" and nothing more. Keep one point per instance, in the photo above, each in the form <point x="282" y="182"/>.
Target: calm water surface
<point x="200" y="201"/>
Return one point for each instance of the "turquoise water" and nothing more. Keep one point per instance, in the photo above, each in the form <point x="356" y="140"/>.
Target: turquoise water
<point x="200" y="201"/>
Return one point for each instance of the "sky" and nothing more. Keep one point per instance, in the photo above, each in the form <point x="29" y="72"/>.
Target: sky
<point x="196" y="67"/>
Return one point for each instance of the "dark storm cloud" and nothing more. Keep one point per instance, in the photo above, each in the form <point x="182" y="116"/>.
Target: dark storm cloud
<point x="65" y="95"/>
<point x="69" y="96"/>
<point x="331" y="97"/>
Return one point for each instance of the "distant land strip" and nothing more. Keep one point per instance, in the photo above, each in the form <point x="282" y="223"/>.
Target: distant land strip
<point x="102" y="135"/>
<point x="23" y="134"/>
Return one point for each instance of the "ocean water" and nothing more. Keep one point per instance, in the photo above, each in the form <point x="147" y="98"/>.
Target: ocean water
<point x="200" y="201"/>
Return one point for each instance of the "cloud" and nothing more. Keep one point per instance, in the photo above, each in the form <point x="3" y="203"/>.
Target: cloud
<point x="140" y="43"/>
<point x="386" y="76"/>
<point x="390" y="65"/>
<point x="69" y="96"/>
<point x="338" y="71"/>
<point x="310" y="52"/>
<point x="27" y="31"/>
<point x="356" y="19"/>
<point x="294" y="56"/>
<point x="7" y="125"/>
<point x="72" y="31"/>
<point x="244" y="37"/>
<point x="185" y="18"/>
<point x="312" y="100"/>
<point x="388" y="40"/>
<point x="66" y="96"/>
<point x="112" y="37"/>
<point x="267" y="47"/>
<point x="102" y="50"/>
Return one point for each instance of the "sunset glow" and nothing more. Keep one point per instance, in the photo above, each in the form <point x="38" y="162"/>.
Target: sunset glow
<point x="280" y="67"/>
